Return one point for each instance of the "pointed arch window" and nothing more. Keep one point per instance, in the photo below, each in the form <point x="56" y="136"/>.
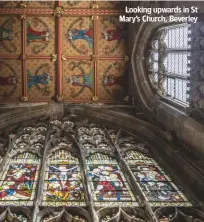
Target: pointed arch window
<point x="113" y="177"/>
<point x="168" y="63"/>
<point x="19" y="179"/>
<point x="108" y="184"/>
<point x="63" y="183"/>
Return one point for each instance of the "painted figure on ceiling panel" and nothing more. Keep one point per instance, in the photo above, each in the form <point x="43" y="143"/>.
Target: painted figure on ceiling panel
<point x="111" y="79"/>
<point x="84" y="79"/>
<point x="113" y="34"/>
<point x="113" y="83"/>
<point x="36" y="36"/>
<point x="79" y="35"/>
<point x="75" y="34"/>
<point x="41" y="79"/>
<point x="8" y="35"/>
<point x="8" y="82"/>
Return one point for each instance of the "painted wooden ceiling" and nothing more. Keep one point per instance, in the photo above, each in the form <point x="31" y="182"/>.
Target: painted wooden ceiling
<point x="72" y="51"/>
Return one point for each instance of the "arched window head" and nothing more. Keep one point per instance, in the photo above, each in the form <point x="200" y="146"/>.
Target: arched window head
<point x="168" y="63"/>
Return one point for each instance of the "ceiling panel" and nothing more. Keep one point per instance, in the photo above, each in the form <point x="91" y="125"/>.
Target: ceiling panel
<point x="10" y="80"/>
<point x="72" y="51"/>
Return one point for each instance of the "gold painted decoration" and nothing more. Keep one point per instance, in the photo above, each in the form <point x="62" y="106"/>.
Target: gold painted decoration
<point x="58" y="12"/>
<point x="95" y="98"/>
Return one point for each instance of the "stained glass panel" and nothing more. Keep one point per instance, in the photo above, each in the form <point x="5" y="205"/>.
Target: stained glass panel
<point x="18" y="179"/>
<point x="107" y="182"/>
<point x="63" y="183"/>
<point x="156" y="186"/>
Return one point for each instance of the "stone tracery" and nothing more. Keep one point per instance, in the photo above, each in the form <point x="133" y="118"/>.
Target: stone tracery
<point x="94" y="148"/>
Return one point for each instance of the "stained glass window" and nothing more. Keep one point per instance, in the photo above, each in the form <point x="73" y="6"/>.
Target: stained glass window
<point x="63" y="183"/>
<point x="107" y="182"/>
<point x="156" y="186"/>
<point x="169" y="62"/>
<point x="81" y="165"/>
<point x="18" y="179"/>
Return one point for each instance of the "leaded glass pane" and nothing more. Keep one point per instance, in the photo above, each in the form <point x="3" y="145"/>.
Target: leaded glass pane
<point x="107" y="182"/>
<point x="19" y="179"/>
<point x="176" y="37"/>
<point x="63" y="184"/>
<point x="156" y="186"/>
<point x="176" y="63"/>
<point x="169" y="62"/>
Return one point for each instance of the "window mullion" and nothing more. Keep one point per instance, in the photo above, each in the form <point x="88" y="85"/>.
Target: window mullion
<point x="125" y="168"/>
<point x="42" y="169"/>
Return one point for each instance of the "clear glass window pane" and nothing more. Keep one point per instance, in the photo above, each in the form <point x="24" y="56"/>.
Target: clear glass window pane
<point x="177" y="37"/>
